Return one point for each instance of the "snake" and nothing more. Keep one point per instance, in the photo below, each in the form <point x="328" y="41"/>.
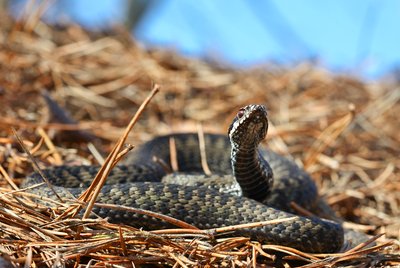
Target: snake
<point x="245" y="183"/>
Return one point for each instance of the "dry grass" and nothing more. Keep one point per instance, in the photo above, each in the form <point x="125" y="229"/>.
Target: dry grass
<point x="345" y="132"/>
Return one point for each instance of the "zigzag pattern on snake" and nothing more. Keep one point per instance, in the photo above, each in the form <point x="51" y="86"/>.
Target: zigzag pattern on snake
<point x="247" y="185"/>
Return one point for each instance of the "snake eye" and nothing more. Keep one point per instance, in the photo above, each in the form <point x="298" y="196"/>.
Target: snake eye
<point x="240" y="113"/>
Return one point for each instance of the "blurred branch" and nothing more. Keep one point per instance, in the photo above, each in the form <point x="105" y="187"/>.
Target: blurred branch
<point x="279" y="27"/>
<point x="367" y="31"/>
<point x="135" y="11"/>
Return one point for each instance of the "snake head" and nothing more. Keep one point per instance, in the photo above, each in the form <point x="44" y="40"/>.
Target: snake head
<point x="249" y="127"/>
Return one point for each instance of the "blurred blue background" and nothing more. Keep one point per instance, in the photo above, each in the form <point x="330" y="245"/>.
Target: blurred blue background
<point x="357" y="37"/>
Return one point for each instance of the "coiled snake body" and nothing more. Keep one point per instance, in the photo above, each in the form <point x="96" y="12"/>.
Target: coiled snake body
<point x="204" y="202"/>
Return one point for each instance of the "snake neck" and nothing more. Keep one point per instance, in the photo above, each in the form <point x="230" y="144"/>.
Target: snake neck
<point x="252" y="172"/>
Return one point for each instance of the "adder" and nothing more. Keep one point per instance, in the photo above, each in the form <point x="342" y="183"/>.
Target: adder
<point x="247" y="184"/>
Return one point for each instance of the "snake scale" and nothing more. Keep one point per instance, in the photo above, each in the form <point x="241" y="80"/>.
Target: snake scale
<point x="261" y="188"/>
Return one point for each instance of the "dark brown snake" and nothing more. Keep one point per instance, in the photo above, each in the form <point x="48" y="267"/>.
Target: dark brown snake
<point x="268" y="183"/>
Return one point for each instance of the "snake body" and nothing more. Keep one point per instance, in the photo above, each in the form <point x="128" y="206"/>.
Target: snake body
<point x="263" y="182"/>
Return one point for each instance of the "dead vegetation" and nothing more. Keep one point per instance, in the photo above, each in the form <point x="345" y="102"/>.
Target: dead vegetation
<point x="345" y="132"/>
